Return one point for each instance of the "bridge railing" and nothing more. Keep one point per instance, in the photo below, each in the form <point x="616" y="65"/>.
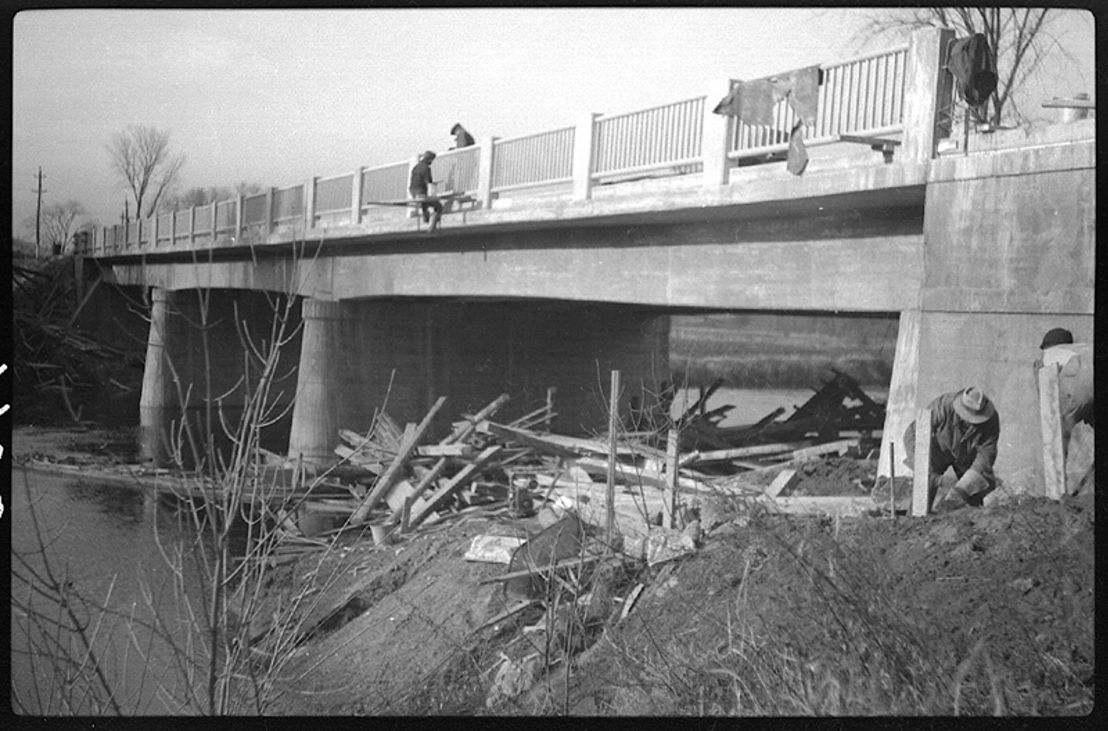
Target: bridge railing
<point x="665" y="136"/>
<point x="863" y="97"/>
<point x="901" y="92"/>
<point x="542" y="158"/>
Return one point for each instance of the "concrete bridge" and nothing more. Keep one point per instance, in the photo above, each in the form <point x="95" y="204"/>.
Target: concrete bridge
<point x="581" y="241"/>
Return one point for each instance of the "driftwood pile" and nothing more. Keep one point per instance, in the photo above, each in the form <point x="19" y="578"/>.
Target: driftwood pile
<point x="397" y="482"/>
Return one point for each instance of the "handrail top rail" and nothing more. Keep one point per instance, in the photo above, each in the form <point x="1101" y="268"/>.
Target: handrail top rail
<point x="696" y="98"/>
<point x="517" y="138"/>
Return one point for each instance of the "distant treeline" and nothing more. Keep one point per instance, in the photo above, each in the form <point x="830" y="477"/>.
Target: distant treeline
<point x="781" y="351"/>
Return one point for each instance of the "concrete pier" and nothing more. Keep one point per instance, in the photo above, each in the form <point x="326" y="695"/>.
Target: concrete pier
<point x="155" y="401"/>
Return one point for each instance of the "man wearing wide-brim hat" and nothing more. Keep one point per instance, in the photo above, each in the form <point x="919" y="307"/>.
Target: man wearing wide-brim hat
<point x="965" y="429"/>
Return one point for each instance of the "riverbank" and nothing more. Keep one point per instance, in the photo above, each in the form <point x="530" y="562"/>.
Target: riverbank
<point x="980" y="612"/>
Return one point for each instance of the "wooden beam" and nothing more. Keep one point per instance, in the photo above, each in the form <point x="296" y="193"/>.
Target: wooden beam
<point x="839" y="447"/>
<point x="385" y="482"/>
<point x="725" y="455"/>
<point x="458" y="481"/>
<point x="921" y="466"/>
<point x="566" y="563"/>
<point x="613" y="433"/>
<point x="876" y="142"/>
<point x="786" y="479"/>
<point x="1050" y="424"/>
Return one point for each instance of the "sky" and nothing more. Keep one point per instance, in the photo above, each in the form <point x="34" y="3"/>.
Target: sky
<point x="277" y="96"/>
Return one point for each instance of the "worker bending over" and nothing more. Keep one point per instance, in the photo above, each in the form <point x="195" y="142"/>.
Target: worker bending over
<point x="1074" y="362"/>
<point x="965" y="429"/>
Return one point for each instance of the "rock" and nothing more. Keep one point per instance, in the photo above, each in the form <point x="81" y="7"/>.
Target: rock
<point x="513" y="678"/>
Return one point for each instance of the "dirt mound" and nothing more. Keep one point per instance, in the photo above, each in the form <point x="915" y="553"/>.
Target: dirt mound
<point x="978" y="612"/>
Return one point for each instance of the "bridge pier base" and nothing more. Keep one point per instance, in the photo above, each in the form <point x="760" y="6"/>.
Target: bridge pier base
<point x="154" y="403"/>
<point x="316" y="413"/>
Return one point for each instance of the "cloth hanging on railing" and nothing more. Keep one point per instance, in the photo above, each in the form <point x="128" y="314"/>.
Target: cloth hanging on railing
<point x="971" y="62"/>
<point x="753" y="103"/>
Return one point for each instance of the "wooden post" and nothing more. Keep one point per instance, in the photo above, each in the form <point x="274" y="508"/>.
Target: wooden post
<point x="669" y="514"/>
<point x="613" y="429"/>
<point x="921" y="479"/>
<point x="1050" y="422"/>
<point x="192" y="227"/>
<point x="892" y="480"/>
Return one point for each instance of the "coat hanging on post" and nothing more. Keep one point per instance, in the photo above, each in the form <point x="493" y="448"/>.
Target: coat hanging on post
<point x="971" y="62"/>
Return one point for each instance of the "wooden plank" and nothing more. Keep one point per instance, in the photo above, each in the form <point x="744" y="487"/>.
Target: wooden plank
<point x="393" y="473"/>
<point x="399" y="495"/>
<point x="445" y="450"/>
<point x="1050" y="424"/>
<point x="885" y="142"/>
<point x="642" y="476"/>
<point x="839" y="447"/>
<point x="921" y="465"/>
<point x="566" y="563"/>
<point x="464" y="430"/>
<point x="458" y="481"/>
<point x="806" y="505"/>
<point x="613" y="430"/>
<point x="901" y="406"/>
<point x="787" y="479"/>
<point x="540" y="442"/>
<point x="726" y="455"/>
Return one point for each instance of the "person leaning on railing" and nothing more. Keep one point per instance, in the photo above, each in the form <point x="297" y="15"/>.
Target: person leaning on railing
<point x="461" y="137"/>
<point x="418" y="187"/>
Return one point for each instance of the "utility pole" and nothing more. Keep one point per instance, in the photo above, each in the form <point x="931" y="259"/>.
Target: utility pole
<point x="38" y="212"/>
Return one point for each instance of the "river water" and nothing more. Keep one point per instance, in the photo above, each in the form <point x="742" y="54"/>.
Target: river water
<point x="102" y="543"/>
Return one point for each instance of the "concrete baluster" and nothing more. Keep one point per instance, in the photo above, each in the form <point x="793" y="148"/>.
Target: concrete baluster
<point x="715" y="140"/>
<point x="582" y="156"/>
<point x="153" y="233"/>
<point x="928" y="93"/>
<point x="412" y="211"/>
<point x="484" y="172"/>
<point x="315" y="416"/>
<point x="356" y="197"/>
<point x="270" y="194"/>
<point x="192" y="227"/>
<point x="215" y="223"/>
<point x="309" y="204"/>
<point x="155" y="400"/>
<point x="240" y="208"/>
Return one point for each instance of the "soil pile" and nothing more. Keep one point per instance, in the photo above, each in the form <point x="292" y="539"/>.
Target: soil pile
<point x="978" y="612"/>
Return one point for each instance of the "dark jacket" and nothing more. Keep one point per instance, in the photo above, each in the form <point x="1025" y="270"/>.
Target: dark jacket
<point x="421" y="178"/>
<point x="970" y="445"/>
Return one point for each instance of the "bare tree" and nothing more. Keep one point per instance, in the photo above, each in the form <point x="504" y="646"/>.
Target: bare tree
<point x="1019" y="40"/>
<point x="141" y="156"/>
<point x="58" y="223"/>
